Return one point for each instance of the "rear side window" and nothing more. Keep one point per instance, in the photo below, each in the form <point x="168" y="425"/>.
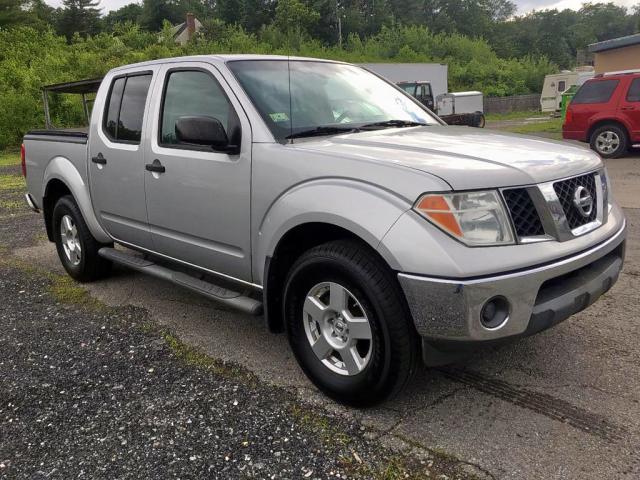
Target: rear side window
<point x="113" y="107"/>
<point x="596" y="92"/>
<point x="125" y="108"/>
<point x="633" y="95"/>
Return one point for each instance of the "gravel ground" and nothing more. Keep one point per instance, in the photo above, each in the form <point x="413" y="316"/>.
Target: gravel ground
<point x="91" y="391"/>
<point x="97" y="392"/>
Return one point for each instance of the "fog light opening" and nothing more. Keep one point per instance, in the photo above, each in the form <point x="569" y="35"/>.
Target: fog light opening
<point x="495" y="313"/>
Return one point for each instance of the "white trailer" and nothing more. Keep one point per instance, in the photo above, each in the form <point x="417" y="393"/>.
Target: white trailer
<point x="558" y="83"/>
<point x="459" y="103"/>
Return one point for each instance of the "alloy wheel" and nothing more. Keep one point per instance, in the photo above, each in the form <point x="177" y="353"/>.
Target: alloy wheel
<point x="337" y="328"/>
<point x="607" y="142"/>
<point x="70" y="241"/>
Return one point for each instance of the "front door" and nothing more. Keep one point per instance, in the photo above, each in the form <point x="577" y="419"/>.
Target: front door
<point x="630" y="109"/>
<point x="116" y="159"/>
<point x="199" y="206"/>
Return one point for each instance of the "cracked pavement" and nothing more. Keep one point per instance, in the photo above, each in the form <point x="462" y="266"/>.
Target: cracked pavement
<point x="562" y="404"/>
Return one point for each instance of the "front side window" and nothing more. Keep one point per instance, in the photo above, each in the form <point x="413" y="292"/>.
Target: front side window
<point x="125" y="108"/>
<point x="409" y="88"/>
<point x="304" y="98"/>
<point x="192" y="93"/>
<point x="633" y="95"/>
<point x="599" y="91"/>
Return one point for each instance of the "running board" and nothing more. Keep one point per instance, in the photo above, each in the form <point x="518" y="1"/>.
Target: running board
<point x="220" y="294"/>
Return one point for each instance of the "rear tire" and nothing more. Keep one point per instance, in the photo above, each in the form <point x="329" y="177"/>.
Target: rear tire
<point x="609" y="141"/>
<point x="77" y="248"/>
<point x="358" y="365"/>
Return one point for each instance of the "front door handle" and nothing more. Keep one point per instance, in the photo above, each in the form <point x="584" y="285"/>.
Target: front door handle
<point x="626" y="109"/>
<point x="99" y="159"/>
<point x="156" y="166"/>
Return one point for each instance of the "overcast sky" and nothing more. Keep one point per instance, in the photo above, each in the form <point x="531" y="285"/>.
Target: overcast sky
<point x="524" y="5"/>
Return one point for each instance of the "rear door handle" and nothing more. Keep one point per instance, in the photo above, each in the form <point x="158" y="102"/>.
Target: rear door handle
<point x="156" y="166"/>
<point x="99" y="159"/>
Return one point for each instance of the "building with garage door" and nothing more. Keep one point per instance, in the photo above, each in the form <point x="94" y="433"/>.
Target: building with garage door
<point x="617" y="54"/>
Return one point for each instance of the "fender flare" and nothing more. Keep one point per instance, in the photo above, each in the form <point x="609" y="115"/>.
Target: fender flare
<point x="372" y="212"/>
<point x="62" y="169"/>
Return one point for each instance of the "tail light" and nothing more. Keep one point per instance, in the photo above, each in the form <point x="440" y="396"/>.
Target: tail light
<point x="568" y="118"/>
<point x="23" y="161"/>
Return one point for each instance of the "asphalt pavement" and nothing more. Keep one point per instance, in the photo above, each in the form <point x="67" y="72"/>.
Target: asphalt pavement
<point x="564" y="404"/>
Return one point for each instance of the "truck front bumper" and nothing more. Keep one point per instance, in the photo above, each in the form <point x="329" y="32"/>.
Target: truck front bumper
<point x="451" y="317"/>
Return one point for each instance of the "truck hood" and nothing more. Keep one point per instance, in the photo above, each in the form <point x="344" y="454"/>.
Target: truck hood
<point x="466" y="158"/>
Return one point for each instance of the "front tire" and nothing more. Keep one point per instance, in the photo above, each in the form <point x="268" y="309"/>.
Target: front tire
<point x="77" y="248"/>
<point x="348" y="324"/>
<point x="610" y="141"/>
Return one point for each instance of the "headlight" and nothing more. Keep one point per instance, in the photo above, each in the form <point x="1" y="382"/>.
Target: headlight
<point x="474" y="218"/>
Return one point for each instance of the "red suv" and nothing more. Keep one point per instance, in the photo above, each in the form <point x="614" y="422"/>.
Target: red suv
<point x="606" y="113"/>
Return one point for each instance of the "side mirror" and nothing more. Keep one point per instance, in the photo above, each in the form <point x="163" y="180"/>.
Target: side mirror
<point x="204" y="130"/>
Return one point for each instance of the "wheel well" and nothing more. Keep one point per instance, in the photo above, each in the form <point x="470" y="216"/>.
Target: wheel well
<point x="293" y="244"/>
<point x="54" y="191"/>
<point x="601" y="123"/>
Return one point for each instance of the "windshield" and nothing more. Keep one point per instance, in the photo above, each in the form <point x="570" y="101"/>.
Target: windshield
<point x="326" y="98"/>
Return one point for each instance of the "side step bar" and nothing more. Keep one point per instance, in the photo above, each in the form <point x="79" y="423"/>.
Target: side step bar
<point x="220" y="294"/>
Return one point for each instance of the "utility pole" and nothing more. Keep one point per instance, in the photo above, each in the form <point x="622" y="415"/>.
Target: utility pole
<point x="339" y="20"/>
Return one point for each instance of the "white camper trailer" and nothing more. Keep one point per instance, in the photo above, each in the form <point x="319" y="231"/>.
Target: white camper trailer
<point x="558" y="83"/>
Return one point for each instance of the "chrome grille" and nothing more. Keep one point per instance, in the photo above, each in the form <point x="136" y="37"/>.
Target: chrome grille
<point x="524" y="215"/>
<point x="565" y="190"/>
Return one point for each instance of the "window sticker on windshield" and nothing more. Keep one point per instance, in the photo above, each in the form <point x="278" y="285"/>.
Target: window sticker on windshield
<point x="279" y="117"/>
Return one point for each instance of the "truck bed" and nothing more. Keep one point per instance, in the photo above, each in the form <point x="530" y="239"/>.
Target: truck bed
<point x="67" y="135"/>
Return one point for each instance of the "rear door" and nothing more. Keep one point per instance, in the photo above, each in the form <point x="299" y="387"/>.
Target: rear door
<point x="116" y="159"/>
<point x="199" y="207"/>
<point x="630" y="108"/>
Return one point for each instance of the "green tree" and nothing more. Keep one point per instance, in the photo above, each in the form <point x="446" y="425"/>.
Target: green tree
<point x="79" y="16"/>
<point x="294" y="15"/>
<point x="12" y="12"/>
<point x="129" y="13"/>
<point x="154" y="12"/>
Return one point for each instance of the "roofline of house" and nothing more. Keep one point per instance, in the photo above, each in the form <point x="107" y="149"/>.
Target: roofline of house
<point x="615" y="43"/>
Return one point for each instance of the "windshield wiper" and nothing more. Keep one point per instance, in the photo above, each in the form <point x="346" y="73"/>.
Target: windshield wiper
<point x="326" y="130"/>
<point x="394" y="123"/>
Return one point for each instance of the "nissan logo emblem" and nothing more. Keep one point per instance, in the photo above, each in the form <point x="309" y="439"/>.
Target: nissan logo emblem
<point x="583" y="201"/>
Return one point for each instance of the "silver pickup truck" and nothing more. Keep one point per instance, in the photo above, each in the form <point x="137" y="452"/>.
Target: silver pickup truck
<point x="325" y="198"/>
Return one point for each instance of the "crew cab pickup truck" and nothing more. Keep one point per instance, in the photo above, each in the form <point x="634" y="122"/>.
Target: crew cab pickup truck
<point x="328" y="200"/>
<point x="605" y="113"/>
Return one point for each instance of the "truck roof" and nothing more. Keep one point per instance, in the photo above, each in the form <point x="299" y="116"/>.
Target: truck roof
<point x="221" y="59"/>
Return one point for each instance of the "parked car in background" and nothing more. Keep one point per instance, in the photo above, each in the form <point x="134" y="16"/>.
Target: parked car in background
<point x="333" y="203"/>
<point x="605" y="112"/>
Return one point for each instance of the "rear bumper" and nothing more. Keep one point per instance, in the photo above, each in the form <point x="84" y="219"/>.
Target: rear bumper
<point x="579" y="135"/>
<point x="447" y="312"/>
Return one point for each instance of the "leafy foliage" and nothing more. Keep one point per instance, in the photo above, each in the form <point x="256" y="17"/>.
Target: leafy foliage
<point x="485" y="47"/>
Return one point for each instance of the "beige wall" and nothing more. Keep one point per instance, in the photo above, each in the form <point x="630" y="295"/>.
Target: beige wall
<point x="625" y="58"/>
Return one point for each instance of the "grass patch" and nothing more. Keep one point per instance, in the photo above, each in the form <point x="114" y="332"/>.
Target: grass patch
<point x="320" y="425"/>
<point x="11" y="205"/>
<point x="195" y="357"/>
<point x="9" y="157"/>
<point x="12" y="182"/>
<point x="551" y="128"/>
<point x="66" y="290"/>
<point x="62" y="288"/>
<point x="516" y="115"/>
